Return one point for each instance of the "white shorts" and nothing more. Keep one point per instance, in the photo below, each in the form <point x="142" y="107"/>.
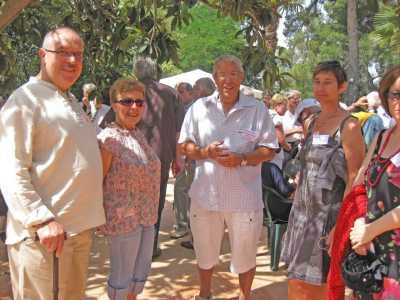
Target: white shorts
<point x="244" y="229"/>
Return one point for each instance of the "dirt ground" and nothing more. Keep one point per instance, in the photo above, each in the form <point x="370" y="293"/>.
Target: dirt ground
<point x="174" y="274"/>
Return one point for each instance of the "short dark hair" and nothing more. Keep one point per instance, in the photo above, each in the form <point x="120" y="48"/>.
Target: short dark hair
<point x="332" y="66"/>
<point x="185" y="85"/>
<point x="384" y="86"/>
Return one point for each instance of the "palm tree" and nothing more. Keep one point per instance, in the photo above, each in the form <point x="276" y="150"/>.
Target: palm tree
<point x="387" y="27"/>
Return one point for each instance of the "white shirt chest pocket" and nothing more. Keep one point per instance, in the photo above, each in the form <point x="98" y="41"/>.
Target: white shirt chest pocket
<point x="241" y="141"/>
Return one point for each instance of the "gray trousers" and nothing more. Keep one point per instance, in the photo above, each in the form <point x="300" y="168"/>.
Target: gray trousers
<point x="181" y="197"/>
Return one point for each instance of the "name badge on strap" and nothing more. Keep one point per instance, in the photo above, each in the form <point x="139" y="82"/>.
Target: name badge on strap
<point x="320" y="139"/>
<point x="396" y="160"/>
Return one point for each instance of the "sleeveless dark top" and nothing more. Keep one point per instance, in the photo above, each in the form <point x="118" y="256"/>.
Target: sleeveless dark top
<point x="383" y="190"/>
<point x="317" y="201"/>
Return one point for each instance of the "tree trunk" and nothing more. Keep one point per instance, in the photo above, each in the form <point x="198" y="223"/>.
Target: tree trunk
<point x="354" y="70"/>
<point x="11" y="10"/>
<point x="271" y="29"/>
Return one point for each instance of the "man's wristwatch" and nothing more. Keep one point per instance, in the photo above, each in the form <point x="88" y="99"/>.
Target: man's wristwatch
<point x="38" y="226"/>
<point x="243" y="162"/>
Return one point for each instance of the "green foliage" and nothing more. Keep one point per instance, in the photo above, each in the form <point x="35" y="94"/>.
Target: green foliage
<point x="262" y="58"/>
<point x="181" y="38"/>
<point x="114" y="31"/>
<point x="322" y="35"/>
<point x="170" y="69"/>
<point x="387" y="28"/>
<point x="207" y="37"/>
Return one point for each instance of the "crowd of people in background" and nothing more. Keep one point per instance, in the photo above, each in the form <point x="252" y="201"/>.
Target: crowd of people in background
<point x="102" y="164"/>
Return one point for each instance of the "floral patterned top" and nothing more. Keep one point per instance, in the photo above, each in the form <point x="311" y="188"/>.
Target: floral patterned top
<point x="131" y="187"/>
<point x="383" y="190"/>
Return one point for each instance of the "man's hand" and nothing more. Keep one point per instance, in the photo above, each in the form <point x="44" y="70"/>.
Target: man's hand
<point x="177" y="166"/>
<point x="52" y="236"/>
<point x="361" y="102"/>
<point x="216" y="149"/>
<point x="229" y="160"/>
<point x="221" y="154"/>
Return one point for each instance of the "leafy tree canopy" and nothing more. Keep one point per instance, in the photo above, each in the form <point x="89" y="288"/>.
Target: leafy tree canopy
<point x="204" y="39"/>
<point x="114" y="32"/>
<point x="320" y="34"/>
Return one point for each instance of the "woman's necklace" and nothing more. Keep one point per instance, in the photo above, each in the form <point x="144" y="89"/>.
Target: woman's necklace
<point x="374" y="176"/>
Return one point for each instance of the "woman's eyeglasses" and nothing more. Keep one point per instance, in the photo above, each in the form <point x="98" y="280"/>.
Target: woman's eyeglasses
<point x="130" y="102"/>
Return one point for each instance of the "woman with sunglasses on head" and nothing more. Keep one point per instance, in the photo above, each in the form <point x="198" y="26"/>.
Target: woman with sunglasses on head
<point x="131" y="192"/>
<point x="380" y="174"/>
<point x="330" y="158"/>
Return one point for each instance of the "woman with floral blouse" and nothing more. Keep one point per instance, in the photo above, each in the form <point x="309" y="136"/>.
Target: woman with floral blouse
<point x="381" y="175"/>
<point x="131" y="192"/>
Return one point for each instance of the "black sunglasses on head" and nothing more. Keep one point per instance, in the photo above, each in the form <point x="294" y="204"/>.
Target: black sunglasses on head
<point x="130" y="102"/>
<point x="333" y="63"/>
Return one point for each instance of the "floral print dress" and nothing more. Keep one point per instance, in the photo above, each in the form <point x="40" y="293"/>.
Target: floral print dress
<point x="131" y="187"/>
<point x="383" y="190"/>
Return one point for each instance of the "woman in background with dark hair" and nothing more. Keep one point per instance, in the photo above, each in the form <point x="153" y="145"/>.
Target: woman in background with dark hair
<point x="380" y="173"/>
<point x="330" y="158"/>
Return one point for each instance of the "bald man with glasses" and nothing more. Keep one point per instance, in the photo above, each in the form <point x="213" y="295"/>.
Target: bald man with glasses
<point x="51" y="175"/>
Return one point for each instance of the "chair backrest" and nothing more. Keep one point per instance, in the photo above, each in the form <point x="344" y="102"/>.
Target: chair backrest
<point x="277" y="206"/>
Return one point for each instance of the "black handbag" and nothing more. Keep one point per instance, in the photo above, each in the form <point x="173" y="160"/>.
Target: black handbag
<point x="364" y="274"/>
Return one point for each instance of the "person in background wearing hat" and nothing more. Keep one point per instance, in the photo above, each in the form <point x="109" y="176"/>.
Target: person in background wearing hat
<point x="305" y="110"/>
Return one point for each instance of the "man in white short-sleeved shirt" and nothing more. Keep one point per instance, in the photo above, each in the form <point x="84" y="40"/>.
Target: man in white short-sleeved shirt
<point x="229" y="135"/>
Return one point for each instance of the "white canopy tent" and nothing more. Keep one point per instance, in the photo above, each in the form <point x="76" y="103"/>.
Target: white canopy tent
<point x="192" y="76"/>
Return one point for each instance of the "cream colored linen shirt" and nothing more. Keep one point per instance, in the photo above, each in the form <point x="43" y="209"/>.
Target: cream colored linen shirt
<point x="50" y="163"/>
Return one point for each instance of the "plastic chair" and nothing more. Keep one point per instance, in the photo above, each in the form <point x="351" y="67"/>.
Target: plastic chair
<point x="278" y="210"/>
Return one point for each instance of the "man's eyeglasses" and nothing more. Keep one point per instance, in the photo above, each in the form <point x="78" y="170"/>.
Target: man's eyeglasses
<point x="66" y="54"/>
<point x="394" y="96"/>
<point x="130" y="102"/>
